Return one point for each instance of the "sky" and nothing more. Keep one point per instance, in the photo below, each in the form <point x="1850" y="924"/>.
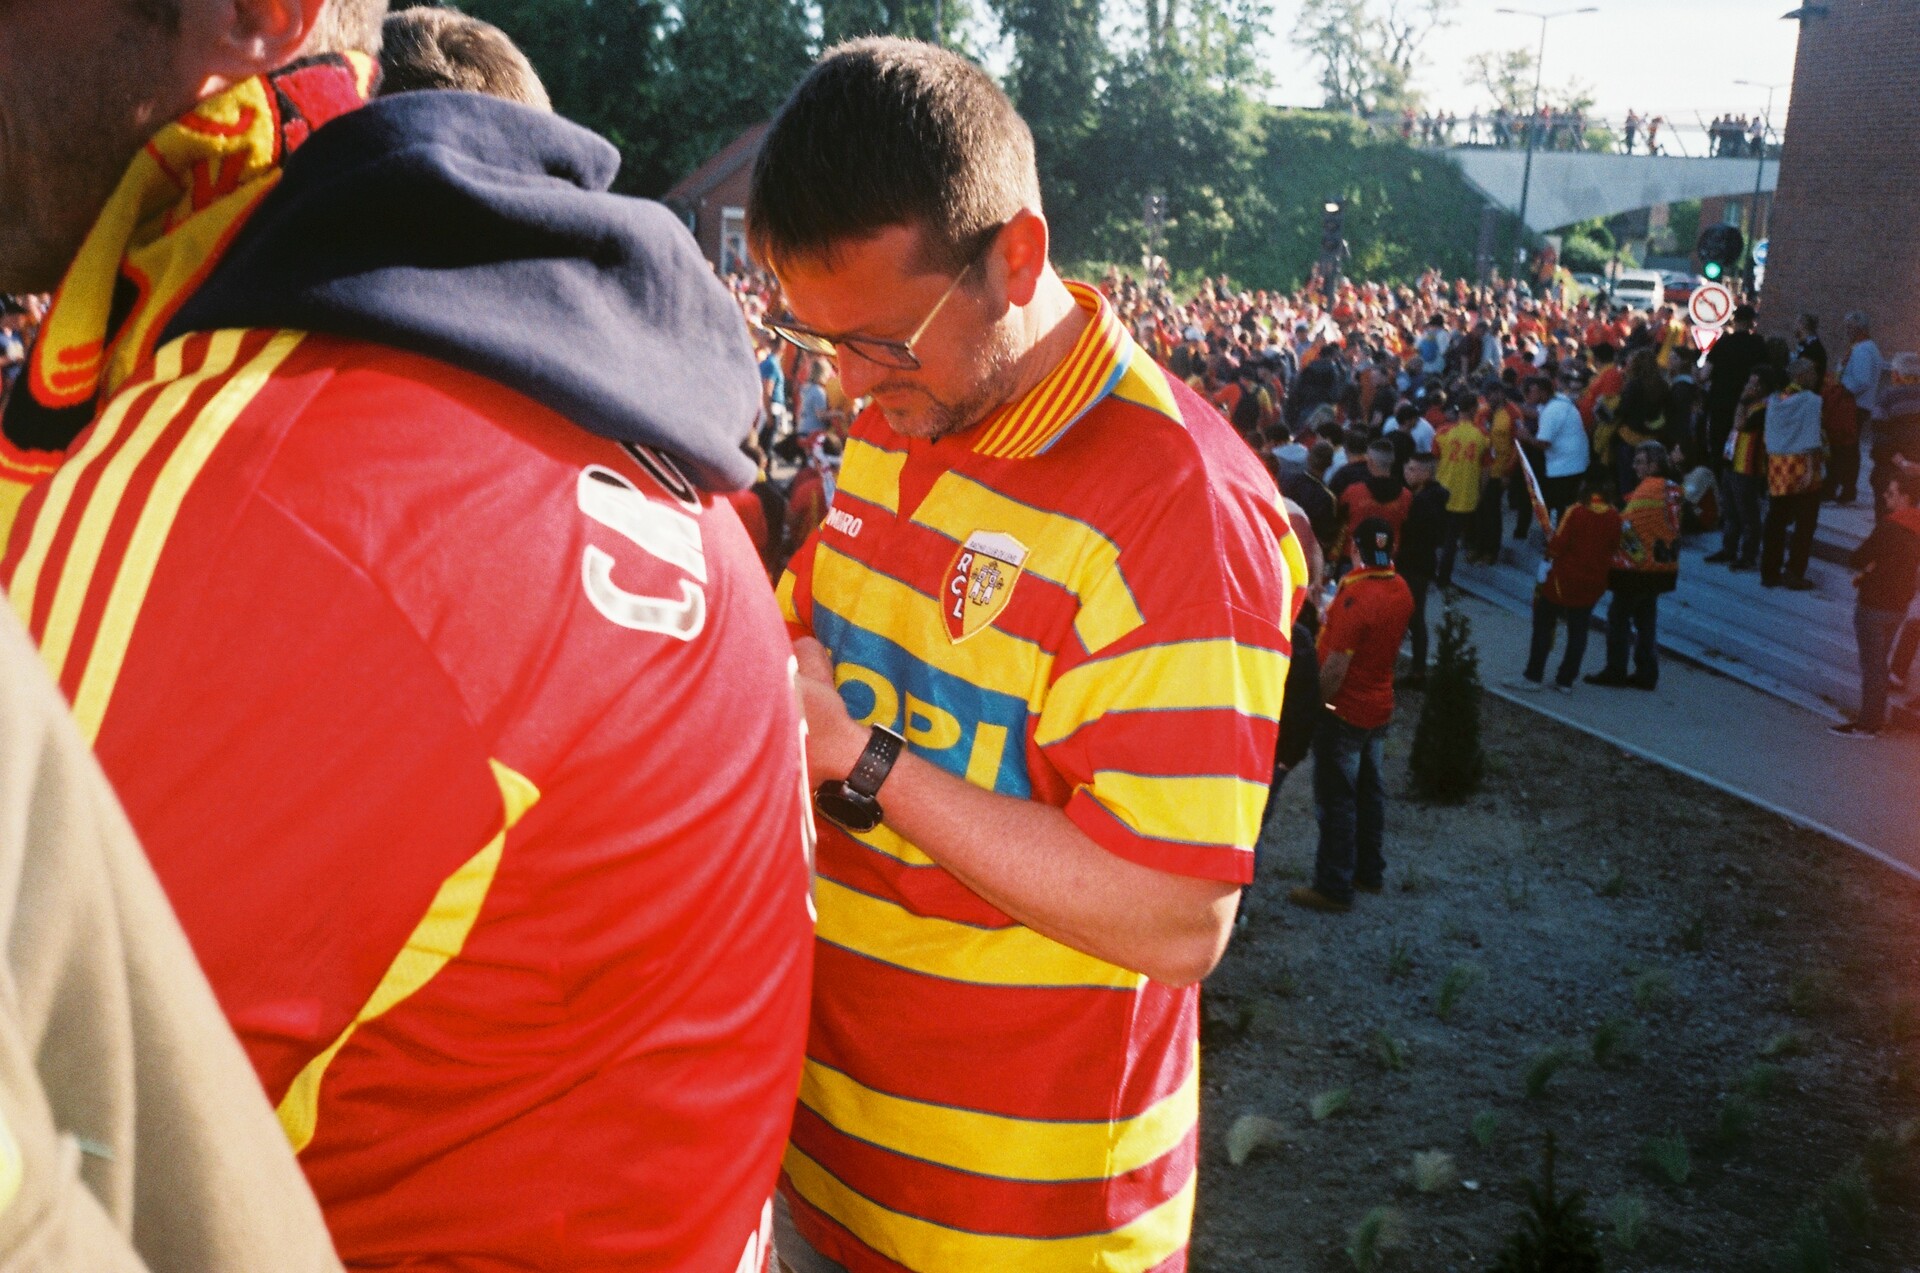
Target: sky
<point x="1658" y="57"/>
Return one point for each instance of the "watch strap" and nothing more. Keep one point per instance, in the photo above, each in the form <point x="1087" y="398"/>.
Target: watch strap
<point x="876" y="761"/>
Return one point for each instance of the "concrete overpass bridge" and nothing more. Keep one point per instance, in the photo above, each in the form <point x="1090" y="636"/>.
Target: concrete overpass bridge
<point x="1570" y="186"/>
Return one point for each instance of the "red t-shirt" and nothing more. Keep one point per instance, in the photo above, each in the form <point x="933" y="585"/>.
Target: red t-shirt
<point x="1582" y="553"/>
<point x="1368" y="619"/>
<point x="1359" y="504"/>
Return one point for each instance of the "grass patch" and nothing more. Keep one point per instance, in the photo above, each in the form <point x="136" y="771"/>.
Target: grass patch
<point x="1378" y="1232"/>
<point x="1814" y="992"/>
<point x="1849" y="1200"/>
<point x="1760" y="1080"/>
<point x="1325" y="1105"/>
<point x="1652" y="989"/>
<point x="1485" y="1126"/>
<point x="1615" y="884"/>
<point x="1453" y="986"/>
<point x="1616" y="1043"/>
<point x="1433" y="1171"/>
<point x="1787" y="1043"/>
<point x="1733" y="1121"/>
<point x="1541" y="1069"/>
<point x="1392" y="1054"/>
<point x="1413" y="880"/>
<point x="1809" y="1246"/>
<point x="1627" y="1216"/>
<point x="1399" y="959"/>
<point x="1693" y="933"/>
<point x="1668" y="1157"/>
<point x="1518" y="894"/>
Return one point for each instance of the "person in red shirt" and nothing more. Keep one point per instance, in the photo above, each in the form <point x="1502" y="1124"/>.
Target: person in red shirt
<point x="1582" y="554"/>
<point x="1380" y="495"/>
<point x="1359" y="644"/>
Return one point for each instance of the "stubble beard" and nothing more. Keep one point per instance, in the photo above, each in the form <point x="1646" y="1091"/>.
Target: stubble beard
<point x="998" y="358"/>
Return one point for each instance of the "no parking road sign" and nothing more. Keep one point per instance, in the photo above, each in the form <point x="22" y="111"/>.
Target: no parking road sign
<point x="1711" y="305"/>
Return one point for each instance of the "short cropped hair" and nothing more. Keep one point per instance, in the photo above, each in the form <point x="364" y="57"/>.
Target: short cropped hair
<point x="348" y="26"/>
<point x="425" y="49"/>
<point x="886" y="132"/>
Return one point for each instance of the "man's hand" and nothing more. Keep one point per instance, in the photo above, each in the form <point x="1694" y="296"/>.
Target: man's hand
<point x="834" y="739"/>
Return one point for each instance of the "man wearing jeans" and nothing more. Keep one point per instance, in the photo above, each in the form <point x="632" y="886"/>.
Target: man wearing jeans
<point x="1358" y="645"/>
<point x="1886" y="564"/>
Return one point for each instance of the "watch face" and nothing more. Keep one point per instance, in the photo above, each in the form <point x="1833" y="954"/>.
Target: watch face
<point x="846" y="807"/>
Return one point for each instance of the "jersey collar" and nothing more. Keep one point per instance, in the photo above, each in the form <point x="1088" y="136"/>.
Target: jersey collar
<point x="1090" y="370"/>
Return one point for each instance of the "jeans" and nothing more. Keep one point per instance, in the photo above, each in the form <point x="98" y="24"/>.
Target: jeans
<point x="1843" y="470"/>
<point x="1352" y="806"/>
<point x="1740" y="516"/>
<point x="1632" y="624"/>
<point x="1417" y="626"/>
<point x="1546" y="617"/>
<point x="1874" y="630"/>
<point x="1488" y="519"/>
<point x="1459" y="526"/>
<point x="1803" y="512"/>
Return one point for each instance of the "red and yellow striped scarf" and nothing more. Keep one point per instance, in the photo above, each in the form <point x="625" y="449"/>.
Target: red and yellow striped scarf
<point x="177" y="208"/>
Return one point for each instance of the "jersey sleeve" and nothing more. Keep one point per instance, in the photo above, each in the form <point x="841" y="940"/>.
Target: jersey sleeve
<point x="1166" y="732"/>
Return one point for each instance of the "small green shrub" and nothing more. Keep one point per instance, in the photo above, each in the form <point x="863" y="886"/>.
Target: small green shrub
<point x="1541" y="1069"/>
<point x="1616" y="1043"/>
<point x="1809" y="1245"/>
<point x="1693" y="934"/>
<point x="1733" y="1122"/>
<point x="1555" y="1234"/>
<point x="1286" y="982"/>
<point x="1849" y="1200"/>
<point x="1652" y="989"/>
<point x="1787" y="1043"/>
<point x="1668" y="1157"/>
<point x="1433" y="1171"/>
<point x="1485" y="1126"/>
<point x="1628" y="1216"/>
<point x="1813" y="993"/>
<point x="1325" y="1105"/>
<point x="1447" y="763"/>
<point x="1399" y="959"/>
<point x="1392" y="1054"/>
<point x="1458" y="980"/>
<point x="1379" y="1231"/>
<point x="1615" y="884"/>
<point x="1759" y="1080"/>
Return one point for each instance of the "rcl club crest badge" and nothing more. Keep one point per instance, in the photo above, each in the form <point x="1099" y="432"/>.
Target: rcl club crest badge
<point x="980" y="581"/>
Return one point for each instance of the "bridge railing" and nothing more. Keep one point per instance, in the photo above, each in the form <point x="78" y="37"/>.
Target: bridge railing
<point x="1691" y="137"/>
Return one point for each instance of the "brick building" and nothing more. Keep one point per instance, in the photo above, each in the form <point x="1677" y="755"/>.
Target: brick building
<point x="1846" y="218"/>
<point x="712" y="199"/>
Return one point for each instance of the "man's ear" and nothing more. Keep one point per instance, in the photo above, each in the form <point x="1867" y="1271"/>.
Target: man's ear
<point x="238" y="39"/>
<point x="1022" y="248"/>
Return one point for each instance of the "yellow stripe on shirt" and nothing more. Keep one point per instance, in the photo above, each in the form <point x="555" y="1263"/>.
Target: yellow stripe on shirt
<point x="1151" y="1239"/>
<point x="1180" y="676"/>
<point x="1011" y="956"/>
<point x="999" y="1146"/>
<point x="1221" y="810"/>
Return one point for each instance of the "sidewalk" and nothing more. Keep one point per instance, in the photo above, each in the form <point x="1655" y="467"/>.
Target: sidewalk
<point x="1732" y="736"/>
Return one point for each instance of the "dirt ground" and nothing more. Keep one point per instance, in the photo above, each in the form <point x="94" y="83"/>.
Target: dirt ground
<point x="1758" y="980"/>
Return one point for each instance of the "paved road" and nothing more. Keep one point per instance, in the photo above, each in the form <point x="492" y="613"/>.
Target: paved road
<point x="1756" y="745"/>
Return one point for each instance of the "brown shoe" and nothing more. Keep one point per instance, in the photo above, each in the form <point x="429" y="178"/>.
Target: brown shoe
<point x="1314" y="900"/>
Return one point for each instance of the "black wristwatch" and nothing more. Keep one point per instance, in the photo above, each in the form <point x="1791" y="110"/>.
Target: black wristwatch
<point x="852" y="804"/>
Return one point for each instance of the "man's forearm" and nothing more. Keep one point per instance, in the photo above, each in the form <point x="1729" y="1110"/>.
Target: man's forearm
<point x="1030" y="861"/>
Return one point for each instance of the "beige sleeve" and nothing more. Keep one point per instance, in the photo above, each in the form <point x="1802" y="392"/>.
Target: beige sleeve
<point x="133" y="1132"/>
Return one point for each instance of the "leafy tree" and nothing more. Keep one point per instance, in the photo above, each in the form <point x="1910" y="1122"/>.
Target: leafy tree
<point x="1447" y="763"/>
<point x="849" y="19"/>
<point x="1507" y="76"/>
<point x="1058" y="59"/>
<point x="1367" y="54"/>
<point x="602" y="62"/>
<point x="730" y="63"/>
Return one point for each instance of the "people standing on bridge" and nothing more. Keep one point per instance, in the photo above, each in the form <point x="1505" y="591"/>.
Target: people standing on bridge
<point x="1633" y="129"/>
<point x="1794" y="449"/>
<point x="1885" y="566"/>
<point x="1653" y="134"/>
<point x="1860" y="374"/>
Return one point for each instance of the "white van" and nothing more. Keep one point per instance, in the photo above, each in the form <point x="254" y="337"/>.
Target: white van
<point x="1639" y="289"/>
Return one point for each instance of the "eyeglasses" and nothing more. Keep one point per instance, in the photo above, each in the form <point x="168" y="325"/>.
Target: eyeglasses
<point x="896" y="354"/>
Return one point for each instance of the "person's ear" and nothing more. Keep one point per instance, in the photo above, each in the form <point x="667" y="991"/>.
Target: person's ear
<point x="238" y="39"/>
<point x="1022" y="249"/>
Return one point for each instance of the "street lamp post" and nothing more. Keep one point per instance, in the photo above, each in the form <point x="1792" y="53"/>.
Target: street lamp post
<point x="1533" y="117"/>
<point x="1760" y="160"/>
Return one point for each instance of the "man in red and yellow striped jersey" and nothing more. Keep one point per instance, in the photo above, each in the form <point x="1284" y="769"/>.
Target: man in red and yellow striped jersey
<point x="1058" y="576"/>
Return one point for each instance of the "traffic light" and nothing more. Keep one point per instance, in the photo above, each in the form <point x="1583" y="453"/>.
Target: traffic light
<point x="1333" y="229"/>
<point x="1720" y="249"/>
